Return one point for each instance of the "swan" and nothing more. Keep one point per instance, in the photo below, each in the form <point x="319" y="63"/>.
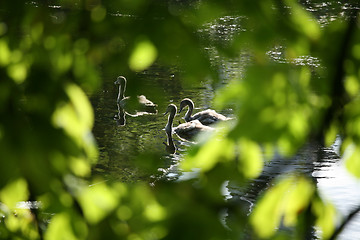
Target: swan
<point x="186" y="131"/>
<point x="141" y="104"/>
<point x="206" y="117"/>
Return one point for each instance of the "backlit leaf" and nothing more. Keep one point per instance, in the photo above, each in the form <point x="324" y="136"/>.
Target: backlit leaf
<point x="250" y="159"/>
<point x="5" y="53"/>
<point x="352" y="160"/>
<point x="326" y="217"/>
<point x="143" y="55"/>
<point x="268" y="212"/>
<point x="17" y="72"/>
<point x="62" y="227"/>
<point x="76" y="118"/>
<point x="14" y="192"/>
<point x="97" y="201"/>
<point x="218" y="148"/>
<point x="282" y="203"/>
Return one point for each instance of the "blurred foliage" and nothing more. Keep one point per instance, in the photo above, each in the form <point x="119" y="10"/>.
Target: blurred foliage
<point x="52" y="51"/>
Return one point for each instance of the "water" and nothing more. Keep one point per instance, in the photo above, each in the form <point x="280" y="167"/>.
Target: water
<point x="342" y="189"/>
<point x="121" y="144"/>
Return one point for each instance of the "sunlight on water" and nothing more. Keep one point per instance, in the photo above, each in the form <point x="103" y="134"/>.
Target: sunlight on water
<point x="343" y="190"/>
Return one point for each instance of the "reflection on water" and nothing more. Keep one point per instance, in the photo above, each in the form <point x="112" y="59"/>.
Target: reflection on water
<point x="169" y="144"/>
<point x="120" y="117"/>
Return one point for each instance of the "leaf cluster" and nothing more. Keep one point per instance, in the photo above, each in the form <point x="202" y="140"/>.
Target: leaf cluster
<point x="52" y="52"/>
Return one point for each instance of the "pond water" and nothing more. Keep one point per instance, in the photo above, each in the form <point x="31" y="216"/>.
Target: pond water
<point x="122" y="144"/>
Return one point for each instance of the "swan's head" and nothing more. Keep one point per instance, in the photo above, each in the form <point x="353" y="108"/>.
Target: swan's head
<point x="121" y="80"/>
<point x="186" y="102"/>
<point x="171" y="109"/>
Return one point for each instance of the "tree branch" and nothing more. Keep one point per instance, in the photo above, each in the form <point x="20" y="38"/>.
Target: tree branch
<point x="344" y="223"/>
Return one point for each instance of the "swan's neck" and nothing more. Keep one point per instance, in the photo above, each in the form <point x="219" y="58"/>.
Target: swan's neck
<point x="168" y="127"/>
<point x="169" y="139"/>
<point x="188" y="113"/>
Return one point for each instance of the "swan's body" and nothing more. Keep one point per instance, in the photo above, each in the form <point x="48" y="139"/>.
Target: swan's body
<point x="186" y="130"/>
<point x="140" y="104"/>
<point x="206" y="117"/>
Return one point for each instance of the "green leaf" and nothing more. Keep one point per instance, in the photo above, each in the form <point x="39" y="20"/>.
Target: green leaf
<point x="62" y="227"/>
<point x="282" y="202"/>
<point x="250" y="160"/>
<point x="76" y="118"/>
<point x="5" y="53"/>
<point x="143" y="55"/>
<point x="98" y="201"/>
<point x="352" y="85"/>
<point x="299" y="198"/>
<point x="14" y="192"/>
<point x="267" y="214"/>
<point x="154" y="211"/>
<point x="304" y="21"/>
<point x="330" y="135"/>
<point x="326" y="217"/>
<point x="352" y="160"/>
<point x="216" y="149"/>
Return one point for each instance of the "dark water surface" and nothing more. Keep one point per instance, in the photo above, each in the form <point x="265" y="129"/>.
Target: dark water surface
<point x="120" y="146"/>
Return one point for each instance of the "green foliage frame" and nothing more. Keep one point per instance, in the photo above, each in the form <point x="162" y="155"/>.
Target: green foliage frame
<point x="53" y="51"/>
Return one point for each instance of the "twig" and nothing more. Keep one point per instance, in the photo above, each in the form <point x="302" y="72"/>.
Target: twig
<point x="338" y="93"/>
<point x="344" y="223"/>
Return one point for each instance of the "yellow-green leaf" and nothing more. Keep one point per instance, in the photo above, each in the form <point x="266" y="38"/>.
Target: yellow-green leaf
<point x="283" y="202"/>
<point x="251" y="160"/>
<point x="143" y="55"/>
<point x="326" y="217"/>
<point x="352" y="160"/>
<point x="61" y="228"/>
<point x="5" y="53"/>
<point x="98" y="201"/>
<point x="14" y="192"/>
<point x="217" y="149"/>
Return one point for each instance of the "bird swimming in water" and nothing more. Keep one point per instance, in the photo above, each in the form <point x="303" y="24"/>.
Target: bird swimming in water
<point x="138" y="105"/>
<point x="186" y="130"/>
<point x="206" y="117"/>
